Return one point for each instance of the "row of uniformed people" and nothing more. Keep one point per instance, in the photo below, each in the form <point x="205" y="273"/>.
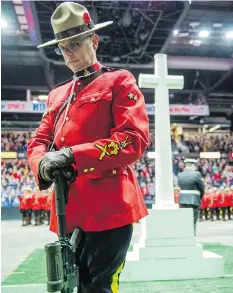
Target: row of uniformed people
<point x="216" y="203"/>
<point x="35" y="206"/>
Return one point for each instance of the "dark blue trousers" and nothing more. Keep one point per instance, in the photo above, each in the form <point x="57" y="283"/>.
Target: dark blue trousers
<point x="101" y="258"/>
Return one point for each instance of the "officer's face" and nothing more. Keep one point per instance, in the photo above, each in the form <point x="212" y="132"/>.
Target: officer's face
<point x="80" y="56"/>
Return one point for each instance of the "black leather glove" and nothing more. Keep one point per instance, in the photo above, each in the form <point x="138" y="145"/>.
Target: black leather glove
<point x="55" y="160"/>
<point x="69" y="173"/>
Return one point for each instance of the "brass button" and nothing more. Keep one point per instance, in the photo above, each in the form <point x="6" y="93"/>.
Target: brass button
<point x="92" y="169"/>
<point x="92" y="99"/>
<point x="74" y="99"/>
<point x="63" y="139"/>
<point x="125" y="167"/>
<point x="85" y="170"/>
<point x="67" y="118"/>
<point x="114" y="171"/>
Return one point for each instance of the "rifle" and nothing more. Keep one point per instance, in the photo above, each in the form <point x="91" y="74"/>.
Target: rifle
<point x="62" y="271"/>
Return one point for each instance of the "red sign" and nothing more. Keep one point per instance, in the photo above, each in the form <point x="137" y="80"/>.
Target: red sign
<point x="15" y="106"/>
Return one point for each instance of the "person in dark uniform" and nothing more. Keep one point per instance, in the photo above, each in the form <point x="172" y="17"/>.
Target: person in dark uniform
<point x="192" y="188"/>
<point x="98" y="123"/>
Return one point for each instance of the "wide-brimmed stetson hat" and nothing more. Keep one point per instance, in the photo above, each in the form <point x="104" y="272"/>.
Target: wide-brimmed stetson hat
<point x="71" y="20"/>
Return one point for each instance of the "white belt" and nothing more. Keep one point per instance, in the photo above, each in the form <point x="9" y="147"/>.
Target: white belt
<point x="191" y="191"/>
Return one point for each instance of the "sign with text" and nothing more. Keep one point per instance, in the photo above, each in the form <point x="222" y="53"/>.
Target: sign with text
<point x="175" y="110"/>
<point x="22" y="107"/>
<point x="182" y="110"/>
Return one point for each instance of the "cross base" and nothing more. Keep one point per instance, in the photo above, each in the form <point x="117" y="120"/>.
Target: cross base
<point x="168" y="250"/>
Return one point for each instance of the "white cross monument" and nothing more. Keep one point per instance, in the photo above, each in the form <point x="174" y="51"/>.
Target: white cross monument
<point x="167" y="248"/>
<point x="162" y="82"/>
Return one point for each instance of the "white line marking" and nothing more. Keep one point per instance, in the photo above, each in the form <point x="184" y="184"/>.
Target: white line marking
<point x="42" y="285"/>
<point x="24" y="285"/>
<point x="13" y="273"/>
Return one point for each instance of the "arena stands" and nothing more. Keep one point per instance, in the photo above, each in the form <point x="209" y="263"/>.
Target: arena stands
<point x="15" y="141"/>
<point x="190" y="143"/>
<point x="205" y="143"/>
<point x="16" y="174"/>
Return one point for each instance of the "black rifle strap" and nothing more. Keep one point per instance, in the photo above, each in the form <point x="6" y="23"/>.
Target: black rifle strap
<point x="85" y="82"/>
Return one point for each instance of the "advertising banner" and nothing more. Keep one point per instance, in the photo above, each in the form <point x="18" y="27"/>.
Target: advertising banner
<point x="182" y="110"/>
<point x="178" y="110"/>
<point x="22" y="107"/>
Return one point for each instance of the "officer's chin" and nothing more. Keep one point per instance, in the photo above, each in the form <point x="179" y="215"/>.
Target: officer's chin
<point x="71" y="67"/>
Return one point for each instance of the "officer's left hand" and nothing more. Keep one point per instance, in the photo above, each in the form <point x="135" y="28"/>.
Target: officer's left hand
<point x="55" y="160"/>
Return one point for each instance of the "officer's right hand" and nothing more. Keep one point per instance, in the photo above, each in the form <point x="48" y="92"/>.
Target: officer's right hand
<point x="68" y="172"/>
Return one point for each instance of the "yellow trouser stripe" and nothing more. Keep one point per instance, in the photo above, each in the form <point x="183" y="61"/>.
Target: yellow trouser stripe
<point x="115" y="279"/>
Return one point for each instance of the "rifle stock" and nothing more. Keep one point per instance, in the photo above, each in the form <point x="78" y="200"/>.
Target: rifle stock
<point x="62" y="271"/>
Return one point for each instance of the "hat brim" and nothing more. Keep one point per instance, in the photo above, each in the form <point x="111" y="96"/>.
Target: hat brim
<point x="97" y="27"/>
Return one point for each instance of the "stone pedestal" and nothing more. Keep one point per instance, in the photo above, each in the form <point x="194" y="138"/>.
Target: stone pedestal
<point x="167" y="250"/>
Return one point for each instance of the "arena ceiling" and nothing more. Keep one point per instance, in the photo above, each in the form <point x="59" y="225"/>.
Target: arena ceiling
<point x="140" y="30"/>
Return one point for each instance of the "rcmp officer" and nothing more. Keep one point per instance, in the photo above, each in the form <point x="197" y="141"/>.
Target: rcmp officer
<point x="192" y="188"/>
<point x="25" y="205"/>
<point x="98" y="124"/>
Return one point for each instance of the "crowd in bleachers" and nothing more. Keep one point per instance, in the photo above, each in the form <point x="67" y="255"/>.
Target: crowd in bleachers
<point x="16" y="174"/>
<point x="190" y="143"/>
<point x="187" y="143"/>
<point x="15" y="141"/>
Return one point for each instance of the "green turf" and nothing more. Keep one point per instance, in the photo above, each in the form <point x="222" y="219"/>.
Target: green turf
<point x="226" y="252"/>
<point x="33" y="271"/>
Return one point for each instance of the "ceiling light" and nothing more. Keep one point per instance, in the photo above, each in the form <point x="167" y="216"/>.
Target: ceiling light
<point x="229" y="35"/>
<point x="4" y="24"/>
<point x="217" y="24"/>
<point x="175" y="32"/>
<point x="204" y="34"/>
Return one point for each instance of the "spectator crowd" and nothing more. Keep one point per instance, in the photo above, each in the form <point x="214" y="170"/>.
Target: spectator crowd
<point x="14" y="141"/>
<point x="16" y="174"/>
<point x="190" y="143"/>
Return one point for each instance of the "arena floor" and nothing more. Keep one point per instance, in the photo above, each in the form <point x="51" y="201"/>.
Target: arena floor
<point x="23" y="266"/>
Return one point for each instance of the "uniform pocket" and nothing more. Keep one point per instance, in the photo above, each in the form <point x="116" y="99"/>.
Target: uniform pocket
<point x="92" y="99"/>
<point x="94" y="114"/>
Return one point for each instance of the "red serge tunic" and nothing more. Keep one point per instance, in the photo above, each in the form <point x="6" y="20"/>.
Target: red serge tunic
<point x="107" y="129"/>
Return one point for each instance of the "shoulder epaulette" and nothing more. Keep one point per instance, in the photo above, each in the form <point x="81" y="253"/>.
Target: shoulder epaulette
<point x="61" y="83"/>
